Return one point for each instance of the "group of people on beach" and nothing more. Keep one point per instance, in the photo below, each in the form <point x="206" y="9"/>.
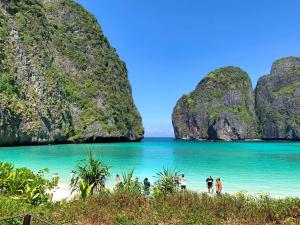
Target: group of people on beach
<point x="210" y="185"/>
<point x="180" y="182"/>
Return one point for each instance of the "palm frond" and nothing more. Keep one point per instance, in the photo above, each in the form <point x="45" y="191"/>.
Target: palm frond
<point x="90" y="170"/>
<point x="165" y="180"/>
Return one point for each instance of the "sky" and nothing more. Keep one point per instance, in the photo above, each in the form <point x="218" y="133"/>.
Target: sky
<point x="170" y="45"/>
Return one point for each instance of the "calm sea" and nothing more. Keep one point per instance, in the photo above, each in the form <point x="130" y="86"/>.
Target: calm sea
<point x="269" y="167"/>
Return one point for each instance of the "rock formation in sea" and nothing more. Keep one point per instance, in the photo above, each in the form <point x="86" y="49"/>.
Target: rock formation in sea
<point x="220" y="108"/>
<point x="60" y="79"/>
<point x="278" y="100"/>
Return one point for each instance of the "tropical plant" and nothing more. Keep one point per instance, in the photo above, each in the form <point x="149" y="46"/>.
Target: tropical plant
<point x="36" y="195"/>
<point x="90" y="171"/>
<point x="85" y="189"/>
<point x="165" y="181"/>
<point x="22" y="183"/>
<point x="129" y="184"/>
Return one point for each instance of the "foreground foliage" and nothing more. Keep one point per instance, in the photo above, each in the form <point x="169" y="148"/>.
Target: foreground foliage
<point x="165" y="181"/>
<point x="123" y="207"/>
<point x="22" y="183"/>
<point x="129" y="185"/>
<point x="87" y="174"/>
<point x="127" y="205"/>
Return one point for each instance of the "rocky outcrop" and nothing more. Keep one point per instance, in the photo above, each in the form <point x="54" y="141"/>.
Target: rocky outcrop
<point x="278" y="100"/>
<point x="220" y="108"/>
<point x="60" y="80"/>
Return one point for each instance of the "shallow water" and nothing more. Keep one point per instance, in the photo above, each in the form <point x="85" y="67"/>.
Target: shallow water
<point x="270" y="167"/>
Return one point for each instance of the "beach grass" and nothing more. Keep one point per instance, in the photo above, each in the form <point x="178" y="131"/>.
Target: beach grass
<point x="126" y="207"/>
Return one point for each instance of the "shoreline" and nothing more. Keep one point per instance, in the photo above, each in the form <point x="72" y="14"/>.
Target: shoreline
<point x="121" y="140"/>
<point x="98" y="140"/>
<point x="62" y="192"/>
<point x="238" y="140"/>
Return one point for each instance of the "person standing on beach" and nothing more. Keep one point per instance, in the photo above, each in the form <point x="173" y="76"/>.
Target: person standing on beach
<point x="146" y="187"/>
<point x="98" y="184"/>
<point x="102" y="182"/>
<point x="176" y="181"/>
<point x="118" y="180"/>
<point x="209" y="183"/>
<point x="219" y="186"/>
<point x="137" y="184"/>
<point x="183" y="183"/>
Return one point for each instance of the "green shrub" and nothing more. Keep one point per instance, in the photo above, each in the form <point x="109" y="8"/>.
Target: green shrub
<point x="23" y="184"/>
<point x="85" y="189"/>
<point x="165" y="181"/>
<point x="89" y="172"/>
<point x="124" y="207"/>
<point x="129" y="185"/>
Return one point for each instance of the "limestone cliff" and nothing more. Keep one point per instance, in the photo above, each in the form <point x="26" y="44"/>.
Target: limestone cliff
<point x="220" y="108"/>
<point x="60" y="79"/>
<point x="278" y="100"/>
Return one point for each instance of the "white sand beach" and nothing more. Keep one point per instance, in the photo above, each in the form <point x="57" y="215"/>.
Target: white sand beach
<point x="62" y="192"/>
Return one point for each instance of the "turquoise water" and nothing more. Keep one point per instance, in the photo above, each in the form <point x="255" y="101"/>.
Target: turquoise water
<point x="271" y="167"/>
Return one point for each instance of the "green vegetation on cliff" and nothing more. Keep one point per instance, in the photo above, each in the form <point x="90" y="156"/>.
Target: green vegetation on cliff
<point x="221" y="107"/>
<point x="278" y="100"/>
<point x="8" y="85"/>
<point x="56" y="60"/>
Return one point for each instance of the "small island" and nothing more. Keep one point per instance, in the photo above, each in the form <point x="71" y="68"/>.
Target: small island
<point x="224" y="106"/>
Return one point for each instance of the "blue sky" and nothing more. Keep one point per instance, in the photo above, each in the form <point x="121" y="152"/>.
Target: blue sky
<point x="170" y="45"/>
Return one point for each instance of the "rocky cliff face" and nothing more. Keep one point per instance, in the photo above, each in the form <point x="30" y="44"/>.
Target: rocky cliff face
<point x="60" y="80"/>
<point x="278" y="100"/>
<point x="220" y="108"/>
